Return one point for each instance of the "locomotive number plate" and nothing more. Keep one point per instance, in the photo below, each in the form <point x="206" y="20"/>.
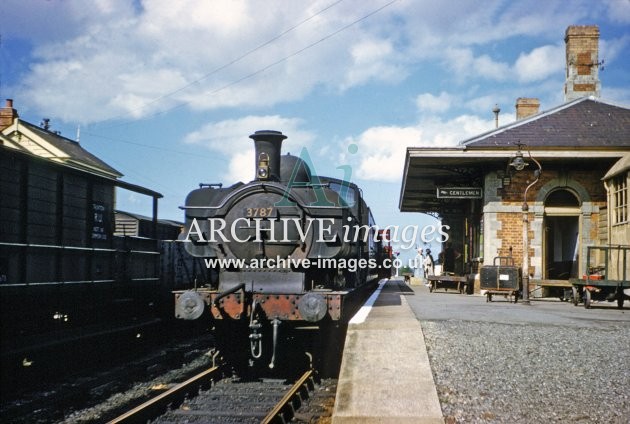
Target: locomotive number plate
<point x="259" y="212"/>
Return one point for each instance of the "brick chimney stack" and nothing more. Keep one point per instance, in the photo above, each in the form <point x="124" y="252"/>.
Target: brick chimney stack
<point x="7" y="115"/>
<point x="582" y="50"/>
<point x="526" y="106"/>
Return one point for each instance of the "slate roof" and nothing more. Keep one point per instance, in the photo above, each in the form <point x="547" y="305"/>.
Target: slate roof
<point x="73" y="149"/>
<point x="584" y="122"/>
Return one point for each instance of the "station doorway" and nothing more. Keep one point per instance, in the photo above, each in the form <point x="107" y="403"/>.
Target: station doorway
<point x="562" y="236"/>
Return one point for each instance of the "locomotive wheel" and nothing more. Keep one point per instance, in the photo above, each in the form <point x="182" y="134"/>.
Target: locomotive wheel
<point x="587" y="299"/>
<point x="576" y="295"/>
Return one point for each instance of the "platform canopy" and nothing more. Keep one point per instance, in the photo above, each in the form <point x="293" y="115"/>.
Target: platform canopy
<point x="576" y="134"/>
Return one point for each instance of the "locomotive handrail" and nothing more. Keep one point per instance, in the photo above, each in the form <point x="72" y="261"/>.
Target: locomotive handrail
<point x="54" y="246"/>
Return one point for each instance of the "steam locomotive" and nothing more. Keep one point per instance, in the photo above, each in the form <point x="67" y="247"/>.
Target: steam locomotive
<point x="290" y="246"/>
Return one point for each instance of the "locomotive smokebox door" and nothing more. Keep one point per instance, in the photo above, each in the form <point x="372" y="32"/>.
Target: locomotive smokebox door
<point x="503" y="275"/>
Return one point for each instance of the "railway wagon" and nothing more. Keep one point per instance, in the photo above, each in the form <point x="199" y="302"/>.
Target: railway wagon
<point x="64" y="276"/>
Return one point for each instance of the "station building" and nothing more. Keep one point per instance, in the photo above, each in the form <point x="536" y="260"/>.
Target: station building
<point x="551" y="163"/>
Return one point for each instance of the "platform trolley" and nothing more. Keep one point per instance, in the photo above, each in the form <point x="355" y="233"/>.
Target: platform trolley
<point x="607" y="276"/>
<point x="501" y="278"/>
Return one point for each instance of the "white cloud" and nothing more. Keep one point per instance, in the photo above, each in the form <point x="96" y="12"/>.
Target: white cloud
<point x="610" y="50"/>
<point x="132" y="59"/>
<point x="372" y="60"/>
<point x="428" y="102"/>
<point x="618" y="10"/>
<point x="205" y="54"/>
<point x="466" y="66"/>
<point x="382" y="150"/>
<point x="540" y="63"/>
<point x="231" y="139"/>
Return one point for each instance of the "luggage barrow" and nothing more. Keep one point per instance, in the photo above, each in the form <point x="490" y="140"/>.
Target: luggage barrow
<point x="610" y="282"/>
<point x="448" y="282"/>
<point x="501" y="278"/>
<point x="590" y="290"/>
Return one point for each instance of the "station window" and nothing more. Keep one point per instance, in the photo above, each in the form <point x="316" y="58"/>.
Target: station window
<point x="620" y="199"/>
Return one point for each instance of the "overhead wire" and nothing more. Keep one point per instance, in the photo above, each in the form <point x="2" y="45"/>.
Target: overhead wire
<point x="246" y="77"/>
<point x="271" y="65"/>
<point x="236" y="60"/>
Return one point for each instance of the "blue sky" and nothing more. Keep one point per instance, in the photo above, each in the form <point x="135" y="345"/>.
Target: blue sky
<point x="167" y="92"/>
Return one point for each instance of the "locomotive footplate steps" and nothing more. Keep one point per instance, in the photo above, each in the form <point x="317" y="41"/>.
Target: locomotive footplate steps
<point x="385" y="372"/>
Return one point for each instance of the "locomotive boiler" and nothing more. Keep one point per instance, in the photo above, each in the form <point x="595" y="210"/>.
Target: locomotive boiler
<point x="290" y="247"/>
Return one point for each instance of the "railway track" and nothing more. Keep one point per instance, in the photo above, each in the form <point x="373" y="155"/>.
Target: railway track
<point x="209" y="398"/>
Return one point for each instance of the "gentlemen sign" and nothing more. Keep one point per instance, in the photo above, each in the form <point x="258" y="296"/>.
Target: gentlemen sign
<point x="459" y="193"/>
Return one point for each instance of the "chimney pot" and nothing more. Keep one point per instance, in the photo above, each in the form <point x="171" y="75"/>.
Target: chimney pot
<point x="496" y="110"/>
<point x="526" y="106"/>
<point x="7" y="115"/>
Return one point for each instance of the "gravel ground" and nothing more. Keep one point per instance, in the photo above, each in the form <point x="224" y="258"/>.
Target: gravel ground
<point x="530" y="373"/>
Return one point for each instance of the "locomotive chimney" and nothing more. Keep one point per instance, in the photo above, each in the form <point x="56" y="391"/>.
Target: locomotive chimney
<point x="268" y="148"/>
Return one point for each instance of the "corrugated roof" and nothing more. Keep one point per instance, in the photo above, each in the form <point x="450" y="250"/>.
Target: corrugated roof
<point x="584" y="122"/>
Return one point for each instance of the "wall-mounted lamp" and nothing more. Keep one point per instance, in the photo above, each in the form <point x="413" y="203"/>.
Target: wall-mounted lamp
<point x="518" y="162"/>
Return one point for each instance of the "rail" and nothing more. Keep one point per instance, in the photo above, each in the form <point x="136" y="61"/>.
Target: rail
<point x="285" y="406"/>
<point x="282" y="412"/>
<point x="156" y="406"/>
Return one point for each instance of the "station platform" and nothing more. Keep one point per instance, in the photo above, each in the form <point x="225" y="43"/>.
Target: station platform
<point x="385" y="374"/>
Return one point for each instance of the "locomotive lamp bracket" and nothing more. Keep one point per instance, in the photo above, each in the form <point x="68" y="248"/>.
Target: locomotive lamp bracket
<point x="262" y="171"/>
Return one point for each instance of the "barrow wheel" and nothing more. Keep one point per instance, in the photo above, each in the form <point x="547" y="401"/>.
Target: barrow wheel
<point x="488" y="298"/>
<point x="620" y="296"/>
<point x="576" y="295"/>
<point x="587" y="299"/>
<point x="431" y="288"/>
